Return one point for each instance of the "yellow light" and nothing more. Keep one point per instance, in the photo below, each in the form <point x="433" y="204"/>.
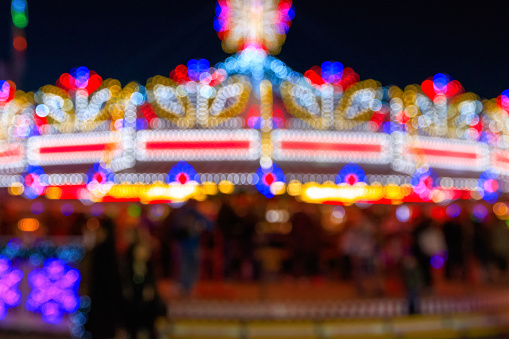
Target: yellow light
<point x="294" y="188"/>
<point x="316" y="193"/>
<point x="199" y="194"/>
<point x="226" y="187"/>
<point x="28" y="224"/>
<point x="16" y="189"/>
<point x="53" y="193"/>
<point x="278" y="188"/>
<point x="209" y="188"/>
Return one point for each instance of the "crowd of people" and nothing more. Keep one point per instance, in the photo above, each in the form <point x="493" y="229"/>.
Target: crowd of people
<point x="247" y="238"/>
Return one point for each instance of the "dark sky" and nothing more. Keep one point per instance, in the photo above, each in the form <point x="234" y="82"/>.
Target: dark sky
<point x="394" y="42"/>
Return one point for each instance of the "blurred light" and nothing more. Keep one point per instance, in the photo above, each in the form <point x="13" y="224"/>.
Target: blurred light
<point x="67" y="209"/>
<point x="19" y="43"/>
<point x="54" y="290"/>
<point x="403" y="213"/>
<point x="10" y="295"/>
<point x="96" y="210"/>
<point x="480" y="212"/>
<point x="37" y="208"/>
<point x="500" y="209"/>
<point x="226" y="187"/>
<point x="134" y="210"/>
<point x="28" y="224"/>
<point x="351" y="174"/>
<point x="453" y="210"/>
<point x="437" y="262"/>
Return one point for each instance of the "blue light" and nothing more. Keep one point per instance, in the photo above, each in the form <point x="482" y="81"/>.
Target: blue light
<point x="332" y="72"/>
<point x="440" y="81"/>
<point x="196" y="67"/>
<point x="437" y="262"/>
<point x="351" y="174"/>
<point x="268" y="176"/>
<point x="18" y="5"/>
<point x="423" y="181"/>
<point x="182" y="173"/>
<point x="34" y="180"/>
<point x="490" y="186"/>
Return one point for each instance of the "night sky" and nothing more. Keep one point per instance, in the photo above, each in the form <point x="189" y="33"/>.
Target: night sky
<point x="394" y="42"/>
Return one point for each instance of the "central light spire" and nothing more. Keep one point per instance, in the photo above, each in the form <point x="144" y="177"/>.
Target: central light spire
<point x="253" y="23"/>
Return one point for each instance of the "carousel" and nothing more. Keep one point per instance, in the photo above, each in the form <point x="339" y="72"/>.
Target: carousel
<point x="247" y="123"/>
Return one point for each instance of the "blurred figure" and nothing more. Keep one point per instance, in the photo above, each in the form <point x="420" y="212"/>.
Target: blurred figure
<point x="188" y="225"/>
<point x="428" y="242"/>
<point x="305" y="242"/>
<point x="105" y="284"/>
<point x="412" y="279"/>
<point x="227" y="222"/>
<point x="499" y="240"/>
<point x="143" y="304"/>
<point x="454" y="239"/>
<point x="481" y="248"/>
<point x="359" y="243"/>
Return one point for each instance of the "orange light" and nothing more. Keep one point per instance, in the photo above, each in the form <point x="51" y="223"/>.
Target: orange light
<point x="19" y="43"/>
<point x="28" y="224"/>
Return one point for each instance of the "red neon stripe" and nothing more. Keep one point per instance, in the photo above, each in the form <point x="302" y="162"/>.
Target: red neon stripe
<point x="73" y="148"/>
<point x="502" y="158"/>
<point x="11" y="151"/>
<point x="212" y="144"/>
<point x="322" y="146"/>
<point x="442" y="153"/>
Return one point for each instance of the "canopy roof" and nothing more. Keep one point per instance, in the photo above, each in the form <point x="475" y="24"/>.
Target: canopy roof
<point x="252" y="120"/>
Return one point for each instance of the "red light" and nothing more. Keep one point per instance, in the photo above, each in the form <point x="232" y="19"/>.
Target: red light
<point x="19" y="43"/>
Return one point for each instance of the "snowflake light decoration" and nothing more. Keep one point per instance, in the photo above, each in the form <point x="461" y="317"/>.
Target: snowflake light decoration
<point x="182" y="173"/>
<point x="10" y="295"/>
<point x="489" y="185"/>
<point x="54" y="290"/>
<point x="34" y="181"/>
<point x="267" y="177"/>
<point x="351" y="174"/>
<point x="423" y="182"/>
<point x="100" y="178"/>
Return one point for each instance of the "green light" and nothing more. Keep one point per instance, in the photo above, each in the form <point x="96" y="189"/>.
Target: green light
<point x="19" y="20"/>
<point x="134" y="210"/>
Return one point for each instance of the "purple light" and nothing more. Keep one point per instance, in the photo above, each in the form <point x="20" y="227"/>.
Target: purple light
<point x="453" y="210"/>
<point x="67" y="209"/>
<point x="37" y="208"/>
<point x="10" y="295"/>
<point x="96" y="210"/>
<point x="437" y="262"/>
<point x="54" y="290"/>
<point x="480" y="212"/>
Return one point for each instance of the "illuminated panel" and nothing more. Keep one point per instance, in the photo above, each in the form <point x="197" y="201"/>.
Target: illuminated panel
<point x="331" y="147"/>
<point x="12" y="156"/>
<point x="500" y="161"/>
<point x="412" y="152"/>
<point x="198" y="145"/>
<point x="73" y="149"/>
